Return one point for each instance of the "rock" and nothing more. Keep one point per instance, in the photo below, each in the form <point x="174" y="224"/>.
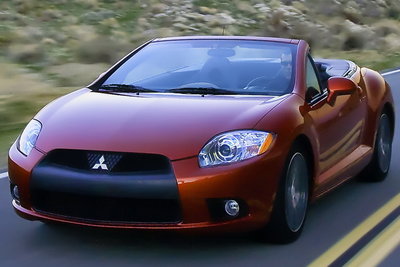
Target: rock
<point x="60" y="1"/>
<point x="352" y="27"/>
<point x="202" y="28"/>
<point x="80" y="32"/>
<point x="158" y="8"/>
<point x="48" y="41"/>
<point x="7" y="35"/>
<point x="28" y="34"/>
<point x="110" y="23"/>
<point x="246" y="22"/>
<point x="88" y="3"/>
<point x="160" y="15"/>
<point x="300" y="6"/>
<point x="93" y="17"/>
<point x="70" y="20"/>
<point x="226" y="19"/>
<point x="374" y="9"/>
<point x="193" y="16"/>
<point x="246" y="7"/>
<point x="217" y="31"/>
<point x="51" y="14"/>
<point x="352" y="11"/>
<point x="58" y="36"/>
<point x="7" y="16"/>
<point x="100" y="49"/>
<point x="386" y="27"/>
<point x="207" y="10"/>
<point x="262" y="8"/>
<point x="356" y="36"/>
<point x="261" y="16"/>
<point x="25" y="7"/>
<point x="159" y="32"/>
<point x="392" y="42"/>
<point x="180" y="19"/>
<point x="143" y="23"/>
<point x="220" y="19"/>
<point x="334" y="9"/>
<point x="183" y="27"/>
<point x="121" y="35"/>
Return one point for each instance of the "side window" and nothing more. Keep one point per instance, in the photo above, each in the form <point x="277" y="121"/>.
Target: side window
<point x="313" y="87"/>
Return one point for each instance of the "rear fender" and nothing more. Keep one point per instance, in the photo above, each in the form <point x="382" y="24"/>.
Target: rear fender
<point x="378" y="94"/>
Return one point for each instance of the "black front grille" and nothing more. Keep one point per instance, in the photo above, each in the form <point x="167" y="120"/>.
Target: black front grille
<point x="123" y="187"/>
<point x="114" y="161"/>
<point x="106" y="209"/>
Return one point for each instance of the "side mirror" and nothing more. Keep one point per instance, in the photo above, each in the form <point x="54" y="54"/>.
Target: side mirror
<point x="340" y="86"/>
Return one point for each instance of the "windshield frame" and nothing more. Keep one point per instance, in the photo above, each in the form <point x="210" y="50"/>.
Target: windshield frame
<point x="99" y="82"/>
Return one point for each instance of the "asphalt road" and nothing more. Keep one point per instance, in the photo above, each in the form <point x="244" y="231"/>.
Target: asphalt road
<point x="25" y="243"/>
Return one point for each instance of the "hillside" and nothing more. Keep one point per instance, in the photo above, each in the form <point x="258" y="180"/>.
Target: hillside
<point x="56" y="36"/>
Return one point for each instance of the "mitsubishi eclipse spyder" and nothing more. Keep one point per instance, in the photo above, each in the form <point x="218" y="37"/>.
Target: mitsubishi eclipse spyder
<point x="211" y="133"/>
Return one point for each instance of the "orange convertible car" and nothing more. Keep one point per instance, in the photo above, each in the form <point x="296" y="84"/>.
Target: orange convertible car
<point x="202" y="133"/>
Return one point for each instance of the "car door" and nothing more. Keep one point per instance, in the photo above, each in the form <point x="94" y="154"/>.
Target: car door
<point x="338" y="126"/>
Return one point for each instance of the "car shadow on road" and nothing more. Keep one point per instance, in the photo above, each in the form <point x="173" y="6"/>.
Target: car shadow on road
<point x="126" y="239"/>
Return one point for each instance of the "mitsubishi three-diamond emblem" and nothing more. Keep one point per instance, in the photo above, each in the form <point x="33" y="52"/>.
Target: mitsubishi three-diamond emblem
<point x="103" y="161"/>
<point x="100" y="164"/>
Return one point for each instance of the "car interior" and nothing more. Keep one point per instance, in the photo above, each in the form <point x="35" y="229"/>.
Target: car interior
<point x="331" y="67"/>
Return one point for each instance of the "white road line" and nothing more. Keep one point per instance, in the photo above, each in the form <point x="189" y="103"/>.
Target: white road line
<point x="391" y="72"/>
<point x="3" y="175"/>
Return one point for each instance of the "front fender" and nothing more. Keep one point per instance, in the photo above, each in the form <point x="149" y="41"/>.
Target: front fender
<point x="289" y="120"/>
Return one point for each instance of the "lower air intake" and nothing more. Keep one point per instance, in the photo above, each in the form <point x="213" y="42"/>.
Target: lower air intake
<point x="106" y="209"/>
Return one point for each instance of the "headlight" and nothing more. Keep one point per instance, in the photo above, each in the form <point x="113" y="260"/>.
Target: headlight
<point x="28" y="138"/>
<point x="234" y="146"/>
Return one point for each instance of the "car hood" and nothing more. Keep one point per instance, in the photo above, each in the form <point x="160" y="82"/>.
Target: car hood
<point x="176" y="126"/>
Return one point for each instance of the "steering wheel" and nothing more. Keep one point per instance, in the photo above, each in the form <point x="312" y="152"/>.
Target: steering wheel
<point x="259" y="83"/>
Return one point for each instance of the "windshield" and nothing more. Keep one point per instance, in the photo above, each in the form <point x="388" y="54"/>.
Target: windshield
<point x="228" y="66"/>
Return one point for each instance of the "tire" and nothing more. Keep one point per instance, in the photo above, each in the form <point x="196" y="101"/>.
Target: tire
<point x="378" y="168"/>
<point x="291" y="203"/>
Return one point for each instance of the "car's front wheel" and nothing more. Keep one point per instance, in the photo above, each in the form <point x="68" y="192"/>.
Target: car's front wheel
<point x="291" y="202"/>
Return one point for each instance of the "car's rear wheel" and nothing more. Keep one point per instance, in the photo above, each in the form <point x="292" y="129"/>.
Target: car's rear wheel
<point x="291" y="202"/>
<point x="379" y="166"/>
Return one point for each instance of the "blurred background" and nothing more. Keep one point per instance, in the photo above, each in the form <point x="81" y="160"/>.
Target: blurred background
<point x="51" y="47"/>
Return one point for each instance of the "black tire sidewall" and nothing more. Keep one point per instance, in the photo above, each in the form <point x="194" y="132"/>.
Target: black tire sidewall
<point x="277" y="230"/>
<point x="373" y="171"/>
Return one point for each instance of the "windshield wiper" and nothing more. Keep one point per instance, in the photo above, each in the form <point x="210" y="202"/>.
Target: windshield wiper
<point x="202" y="90"/>
<point x="125" y="88"/>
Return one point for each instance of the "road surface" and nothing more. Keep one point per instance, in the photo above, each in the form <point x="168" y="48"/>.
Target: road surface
<point x="25" y="243"/>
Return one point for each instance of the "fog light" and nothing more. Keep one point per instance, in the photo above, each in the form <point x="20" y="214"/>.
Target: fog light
<point x="232" y="208"/>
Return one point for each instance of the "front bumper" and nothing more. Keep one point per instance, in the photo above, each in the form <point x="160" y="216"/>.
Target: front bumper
<point x="254" y="182"/>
